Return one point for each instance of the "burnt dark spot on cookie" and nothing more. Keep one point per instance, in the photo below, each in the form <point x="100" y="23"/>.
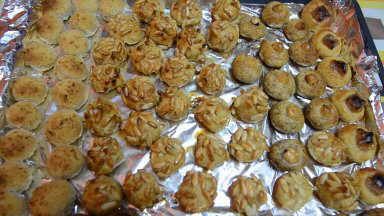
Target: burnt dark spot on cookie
<point x="330" y="41"/>
<point x="364" y="138"/>
<point x="355" y="103"/>
<point x="376" y="183"/>
<point x="321" y="13"/>
<point x="340" y="67"/>
<point x="300" y="26"/>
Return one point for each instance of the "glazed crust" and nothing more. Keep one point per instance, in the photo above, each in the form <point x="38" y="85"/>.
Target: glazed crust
<point x="349" y="104"/>
<point x="106" y="78"/>
<point x="18" y="144"/>
<point x="74" y="42"/>
<point x="296" y="30"/>
<point x="228" y="10"/>
<point x="287" y="117"/>
<point x="303" y="53"/>
<point x="191" y="43"/>
<point x="147" y="58"/>
<point x="65" y="162"/>
<point x="70" y="94"/>
<point x="223" y="36"/>
<point x="211" y="79"/>
<point x="28" y="88"/>
<point x="15" y="176"/>
<point x="109" y="51"/>
<point x="273" y="54"/>
<point x="369" y="183"/>
<point x="177" y="71"/>
<point x="186" y="12"/>
<point x="174" y="104"/>
<point x="251" y="27"/>
<point x="246" y="68"/>
<point x="288" y="155"/>
<point x="317" y="14"/>
<point x="327" y="43"/>
<point x="70" y="67"/>
<point x="310" y="84"/>
<point x="335" y="71"/>
<point x="162" y="30"/>
<point x="210" y="151"/>
<point x="275" y="14"/>
<point x="24" y="115"/>
<point x="322" y="114"/>
<point x="125" y="28"/>
<point x="212" y="113"/>
<point x="148" y="9"/>
<point x="12" y="204"/>
<point x="251" y="106"/>
<point x="279" y="85"/>
<point x="38" y="55"/>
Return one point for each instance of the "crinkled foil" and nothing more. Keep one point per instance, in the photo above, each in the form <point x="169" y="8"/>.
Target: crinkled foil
<point x="13" y="23"/>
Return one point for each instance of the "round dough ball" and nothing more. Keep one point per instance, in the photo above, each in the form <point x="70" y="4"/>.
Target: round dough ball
<point x="310" y="84"/>
<point x="247" y="145"/>
<point x="60" y="8"/>
<point x="322" y="114"/>
<point x="279" y="85"/>
<point x="65" y="162"/>
<point x="15" y="176"/>
<point x="142" y="189"/>
<point x="212" y="113"/>
<point x="24" y="115"/>
<point x="56" y="197"/>
<point x="147" y="58"/>
<point x="326" y="149"/>
<point x="369" y="182"/>
<point x="273" y="54"/>
<point x="104" y="155"/>
<point x="163" y="30"/>
<point x="296" y="30"/>
<point x="28" y="88"/>
<point x="335" y="190"/>
<point x="335" y="71"/>
<point x="74" y="42"/>
<point x="211" y="79"/>
<point x="317" y="14"/>
<point x="109" y="51"/>
<point x="167" y="156"/>
<point x="49" y="28"/>
<point x="350" y="104"/>
<point x="186" y="12"/>
<point x="251" y="106"/>
<point x="85" y="21"/>
<point x="18" y="144"/>
<point x="177" y="71"/>
<point x="275" y="14"/>
<point x="109" y="8"/>
<point x="303" y="53"/>
<point x="89" y="5"/>
<point x="70" y="94"/>
<point x="361" y="144"/>
<point x="139" y="93"/>
<point x="287" y="117"/>
<point x="102" y="195"/>
<point x="247" y="195"/>
<point x="288" y="155"/>
<point x="251" y="27"/>
<point x="146" y="10"/>
<point x="12" y="204"/>
<point x="197" y="192"/>
<point x="63" y="127"/>
<point x="70" y="67"/>
<point x="246" y="68"/>
<point x="125" y="28"/>
<point x="140" y="129"/>
<point x="228" y="10"/>
<point x="327" y="43"/>
<point x="38" y="55"/>
<point x="210" y="151"/>
<point x="292" y="191"/>
<point x="223" y="36"/>
<point x="190" y="43"/>
<point x="102" y="117"/>
<point x="174" y="104"/>
<point x="106" y="78"/>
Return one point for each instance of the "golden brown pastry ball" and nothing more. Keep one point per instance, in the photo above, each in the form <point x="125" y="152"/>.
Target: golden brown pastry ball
<point x="60" y="8"/>
<point x="228" y="10"/>
<point x="251" y="27"/>
<point x="109" y="8"/>
<point x="12" y="204"/>
<point x="163" y="30"/>
<point x="191" y="43"/>
<point x="317" y="14"/>
<point x="335" y="71"/>
<point x="15" y="176"/>
<point x="251" y="106"/>
<point x="74" y="42"/>
<point x="28" y="88"/>
<point x="296" y="30"/>
<point x="186" y="12"/>
<point x="327" y="43"/>
<point x="125" y="28"/>
<point x="70" y="67"/>
<point x="369" y="183"/>
<point x="246" y="68"/>
<point x="223" y="36"/>
<point x="70" y="94"/>
<point x="211" y="79"/>
<point x="142" y="189"/>
<point x="89" y="5"/>
<point x="322" y="114"/>
<point x="109" y="51"/>
<point x="361" y="144"/>
<point x="197" y="192"/>
<point x="49" y="28"/>
<point x="102" y="195"/>
<point x="279" y="85"/>
<point x="148" y="9"/>
<point x="147" y="58"/>
<point x="85" y="21"/>
<point x="273" y="54"/>
<point x="335" y="190"/>
<point x="38" y="55"/>
<point x="275" y="14"/>
<point x="18" y="144"/>
<point x="310" y="84"/>
<point x="106" y="78"/>
<point x="65" y="162"/>
<point x="212" y="113"/>
<point x="288" y="155"/>
<point x="177" y="71"/>
<point x="303" y="53"/>
<point x="174" y="104"/>
<point x="287" y="117"/>
<point x="349" y="104"/>
<point x="210" y="151"/>
<point x="24" y="115"/>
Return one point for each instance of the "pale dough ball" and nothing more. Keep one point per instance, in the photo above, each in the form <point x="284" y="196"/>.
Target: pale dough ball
<point x="246" y="68"/>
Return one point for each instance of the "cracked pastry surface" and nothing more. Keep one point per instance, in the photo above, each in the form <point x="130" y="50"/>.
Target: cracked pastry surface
<point x="177" y="71"/>
<point x="190" y="43"/>
<point x="247" y="195"/>
<point x="247" y="145"/>
<point x="141" y="129"/>
<point x="106" y="78"/>
<point x="251" y="27"/>
<point x="70" y="94"/>
<point x="292" y="191"/>
<point x="310" y="84"/>
<point x="104" y="155"/>
<point x="65" y="162"/>
<point x="89" y="5"/>
<point x="49" y="28"/>
<point x="322" y="114"/>
<point x="174" y="104"/>
<point x="85" y="21"/>
<point x="102" y="117"/>
<point x="296" y="30"/>
<point x="279" y="85"/>
<point x="251" y="106"/>
<point x="109" y="51"/>
<point x="246" y="68"/>
<point x="288" y="155"/>
<point x="15" y="176"/>
<point x="211" y="79"/>
<point x="186" y="12"/>
<point x="327" y="43"/>
<point x="28" y="88"/>
<point x="349" y="104"/>
<point x="303" y="53"/>
<point x="223" y="36"/>
<point x="287" y="117"/>
<point x="70" y="67"/>
<point x="228" y="10"/>
<point x="275" y="14"/>
<point x="109" y="8"/>
<point x="361" y="144"/>
<point x="335" y="190"/>
<point x="125" y="28"/>
<point x="139" y="93"/>
<point x="102" y="195"/>
<point x="18" y="144"/>
<point x="56" y="197"/>
<point x="142" y="189"/>
<point x="23" y="114"/>
<point x="147" y="58"/>
<point x="273" y="53"/>
<point x="74" y="42"/>
<point x="38" y="55"/>
<point x="326" y="148"/>
<point x="162" y="30"/>
<point x="12" y="204"/>
<point x="317" y="14"/>
<point x="210" y="151"/>
<point x="63" y="127"/>
<point x="369" y="182"/>
<point x="197" y="192"/>
<point x="60" y="8"/>
<point x="167" y="156"/>
<point x="212" y="113"/>
<point x="335" y="71"/>
<point x="146" y="10"/>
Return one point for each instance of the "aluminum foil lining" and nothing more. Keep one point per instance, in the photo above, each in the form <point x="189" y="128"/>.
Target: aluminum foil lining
<point x="13" y="24"/>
